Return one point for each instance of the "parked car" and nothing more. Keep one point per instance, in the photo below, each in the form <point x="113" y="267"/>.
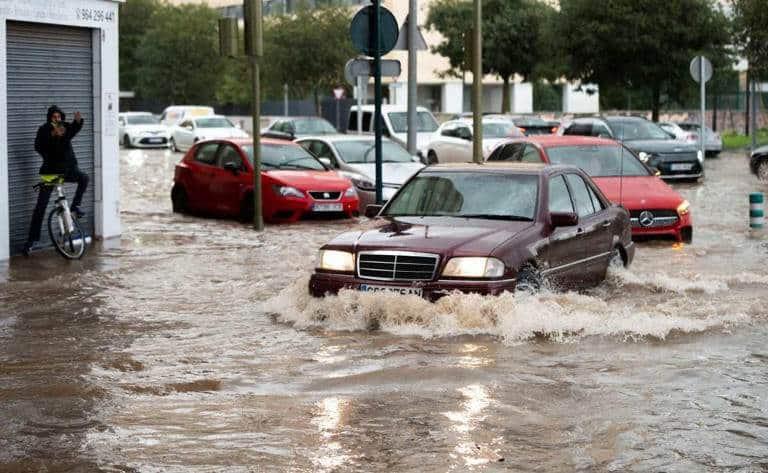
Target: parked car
<point x="758" y="163"/>
<point x="216" y="177"/>
<point x="531" y="124"/>
<point x="174" y="114"/>
<point x="141" y="130"/>
<point x="297" y="127"/>
<point x="484" y="228"/>
<point x="353" y="156"/>
<point x="678" y="133"/>
<point x="654" y="146"/>
<point x="191" y="130"/>
<point x="452" y="142"/>
<point x="655" y="208"/>
<point x="395" y="123"/>
<point x="713" y="142"/>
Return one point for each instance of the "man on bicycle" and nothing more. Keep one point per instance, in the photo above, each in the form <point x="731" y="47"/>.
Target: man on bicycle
<point x="54" y="144"/>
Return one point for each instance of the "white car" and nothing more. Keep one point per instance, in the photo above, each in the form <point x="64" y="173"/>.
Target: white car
<point x="174" y="114"/>
<point x="141" y="130"/>
<point x="713" y="142"/>
<point x="354" y="157"/>
<point x="395" y="123"/>
<point x="452" y="142"/>
<point x="190" y="131"/>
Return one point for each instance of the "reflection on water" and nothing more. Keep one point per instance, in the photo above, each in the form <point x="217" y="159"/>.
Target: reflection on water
<point x="329" y="421"/>
<point x="465" y="422"/>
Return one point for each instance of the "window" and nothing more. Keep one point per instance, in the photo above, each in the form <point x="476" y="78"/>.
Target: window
<point x="601" y="131"/>
<point x="214" y="122"/>
<point x="186" y="125"/>
<point x="510" y="152"/>
<point x="596" y="203"/>
<point x="599" y="160"/>
<point x="362" y="151"/>
<point x="425" y="122"/>
<point x="579" y="128"/>
<point x="367" y="121"/>
<point x="580" y="195"/>
<point x="206" y="153"/>
<point x="559" y="198"/>
<point x="449" y="130"/>
<point x="321" y="150"/>
<point x="531" y="155"/>
<point x="228" y="154"/>
<point x="285" y="156"/>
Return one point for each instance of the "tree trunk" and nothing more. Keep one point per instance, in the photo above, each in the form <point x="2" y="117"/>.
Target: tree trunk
<point x="748" y="103"/>
<point x="656" y="103"/>
<point x="505" y="106"/>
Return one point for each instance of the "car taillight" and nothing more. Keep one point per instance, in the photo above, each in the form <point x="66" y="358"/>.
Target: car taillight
<point x="553" y="130"/>
<point x="522" y="130"/>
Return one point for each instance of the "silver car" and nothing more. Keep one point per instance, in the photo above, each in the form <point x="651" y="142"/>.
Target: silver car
<point x="713" y="142"/>
<point x="353" y="156"/>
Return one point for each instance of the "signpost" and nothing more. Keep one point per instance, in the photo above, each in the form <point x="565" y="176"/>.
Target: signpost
<point x="338" y="94"/>
<point x="411" y="41"/>
<point x="701" y="71"/>
<point x="374" y="32"/>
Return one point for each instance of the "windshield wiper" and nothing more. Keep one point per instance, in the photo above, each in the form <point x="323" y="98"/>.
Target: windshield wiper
<point x="518" y="218"/>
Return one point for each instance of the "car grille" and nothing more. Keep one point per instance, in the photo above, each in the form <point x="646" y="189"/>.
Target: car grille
<point x="665" y="162"/>
<point x="658" y="218"/>
<point x="153" y="141"/>
<point x="321" y="195"/>
<point x="397" y="266"/>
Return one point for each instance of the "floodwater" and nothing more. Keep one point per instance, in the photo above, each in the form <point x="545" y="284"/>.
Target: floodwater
<point x="190" y="345"/>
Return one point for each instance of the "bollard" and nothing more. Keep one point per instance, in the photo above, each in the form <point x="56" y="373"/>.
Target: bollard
<point x="756" y="215"/>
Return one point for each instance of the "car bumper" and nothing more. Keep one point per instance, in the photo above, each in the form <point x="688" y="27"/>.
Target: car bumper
<point x="292" y="210"/>
<point x="323" y="284"/>
<point x="148" y="142"/>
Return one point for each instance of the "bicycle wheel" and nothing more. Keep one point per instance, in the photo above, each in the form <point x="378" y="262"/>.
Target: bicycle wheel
<point x="70" y="245"/>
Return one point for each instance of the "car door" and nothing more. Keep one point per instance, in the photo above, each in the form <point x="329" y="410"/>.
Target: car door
<point x="442" y="143"/>
<point x="225" y="185"/>
<point x="462" y="149"/>
<point x="594" y="226"/>
<point x="203" y="172"/>
<point x="564" y="251"/>
<point x="184" y="135"/>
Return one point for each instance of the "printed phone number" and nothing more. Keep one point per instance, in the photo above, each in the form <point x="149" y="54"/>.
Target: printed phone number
<point x="92" y="14"/>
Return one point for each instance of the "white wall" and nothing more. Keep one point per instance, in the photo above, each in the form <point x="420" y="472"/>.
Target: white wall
<point x="452" y="97"/>
<point x="100" y="15"/>
<point x="522" y="97"/>
<point x="575" y="101"/>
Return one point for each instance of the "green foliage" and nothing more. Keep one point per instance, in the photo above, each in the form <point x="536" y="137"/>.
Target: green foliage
<point x="179" y="60"/>
<point x="750" y="23"/>
<point x="736" y="141"/>
<point x="512" y="32"/>
<point x="641" y="45"/>
<point x="133" y="24"/>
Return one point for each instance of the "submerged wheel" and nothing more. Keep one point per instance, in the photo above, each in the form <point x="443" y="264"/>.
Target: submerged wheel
<point x="126" y="141"/>
<point x="762" y="170"/>
<point x="617" y="260"/>
<point x="528" y="279"/>
<point x="179" y="200"/>
<point x="247" y="209"/>
<point x="70" y="245"/>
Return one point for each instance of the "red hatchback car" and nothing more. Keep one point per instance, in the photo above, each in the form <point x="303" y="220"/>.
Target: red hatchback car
<point x="216" y="177"/>
<point x="655" y="208"/>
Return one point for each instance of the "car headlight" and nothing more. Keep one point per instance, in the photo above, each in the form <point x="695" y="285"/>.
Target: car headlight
<point x="360" y="181"/>
<point x="351" y="192"/>
<point x="644" y="157"/>
<point x="700" y="156"/>
<point x="334" y="260"/>
<point x="474" y="267"/>
<point x="683" y="208"/>
<point x="288" y="191"/>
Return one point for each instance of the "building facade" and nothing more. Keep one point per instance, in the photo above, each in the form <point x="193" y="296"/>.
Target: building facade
<point x="63" y="53"/>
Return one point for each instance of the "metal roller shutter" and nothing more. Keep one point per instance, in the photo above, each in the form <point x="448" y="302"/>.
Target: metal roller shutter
<point x="46" y="65"/>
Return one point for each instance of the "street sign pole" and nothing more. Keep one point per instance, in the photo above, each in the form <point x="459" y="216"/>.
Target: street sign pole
<point x="753" y="115"/>
<point x="412" y="74"/>
<point x="377" y="95"/>
<point x="702" y="131"/>
<point x="477" y="85"/>
<point x="360" y="84"/>
<point x="254" y="48"/>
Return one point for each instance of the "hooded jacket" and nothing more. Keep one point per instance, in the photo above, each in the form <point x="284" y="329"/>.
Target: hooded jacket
<point x="56" y="151"/>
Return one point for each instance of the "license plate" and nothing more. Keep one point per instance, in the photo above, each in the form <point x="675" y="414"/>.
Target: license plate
<point x="681" y="166"/>
<point x="405" y="291"/>
<point x="336" y="207"/>
<point x="155" y="140"/>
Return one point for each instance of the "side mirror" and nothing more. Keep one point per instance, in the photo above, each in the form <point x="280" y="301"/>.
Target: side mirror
<point x="327" y="162"/>
<point x="563" y="219"/>
<point x="232" y="167"/>
<point x="372" y="210"/>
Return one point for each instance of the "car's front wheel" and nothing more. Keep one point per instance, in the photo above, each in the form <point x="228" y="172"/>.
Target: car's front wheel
<point x="247" y="209"/>
<point x="762" y="170"/>
<point x="529" y="279"/>
<point x="127" y="141"/>
<point x="432" y="158"/>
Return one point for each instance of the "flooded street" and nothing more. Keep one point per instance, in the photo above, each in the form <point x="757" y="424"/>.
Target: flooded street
<point x="191" y="345"/>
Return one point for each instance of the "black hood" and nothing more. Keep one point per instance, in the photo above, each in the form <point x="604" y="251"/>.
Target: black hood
<point x="53" y="109"/>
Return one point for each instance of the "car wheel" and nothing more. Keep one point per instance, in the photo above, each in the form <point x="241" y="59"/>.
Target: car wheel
<point x="126" y="141"/>
<point x="528" y="279"/>
<point x="179" y="200"/>
<point x="617" y="260"/>
<point x="247" y="209"/>
<point x="432" y="158"/>
<point x="686" y="235"/>
<point x="762" y="170"/>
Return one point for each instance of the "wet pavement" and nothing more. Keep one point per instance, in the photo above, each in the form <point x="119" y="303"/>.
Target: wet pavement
<point x="190" y="345"/>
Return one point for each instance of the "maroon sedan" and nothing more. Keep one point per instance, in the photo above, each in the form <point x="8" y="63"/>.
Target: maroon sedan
<point x="485" y="228"/>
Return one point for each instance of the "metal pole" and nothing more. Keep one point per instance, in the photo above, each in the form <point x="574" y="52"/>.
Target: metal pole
<point x="412" y="74"/>
<point x="753" y="115"/>
<point x="360" y="85"/>
<point x="702" y="131"/>
<point x="256" y="41"/>
<point x="477" y="84"/>
<point x="377" y="92"/>
<point x="285" y="100"/>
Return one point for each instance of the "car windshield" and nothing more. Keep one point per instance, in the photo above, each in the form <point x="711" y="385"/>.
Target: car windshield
<point x="689" y="126"/>
<point x="425" y="122"/>
<point x="285" y="157"/>
<point x="531" y="121"/>
<point x="214" y="123"/>
<point x="362" y="151"/>
<point x="599" y="161"/>
<point x="499" y="130"/>
<point x="468" y="194"/>
<point x="638" y="130"/>
<point x="313" y="126"/>
<point x="142" y="120"/>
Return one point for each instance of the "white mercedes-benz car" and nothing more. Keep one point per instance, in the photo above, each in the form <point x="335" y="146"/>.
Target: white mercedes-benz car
<point x="141" y="130"/>
<point x="191" y="130"/>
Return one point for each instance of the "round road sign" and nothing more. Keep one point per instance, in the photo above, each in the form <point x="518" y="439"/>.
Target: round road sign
<point x="361" y="31"/>
<point x="696" y="71"/>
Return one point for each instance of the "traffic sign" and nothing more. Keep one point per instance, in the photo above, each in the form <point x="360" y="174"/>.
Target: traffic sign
<point x="362" y="28"/>
<point x="695" y="69"/>
<point x="362" y="67"/>
<point x="403" y="40"/>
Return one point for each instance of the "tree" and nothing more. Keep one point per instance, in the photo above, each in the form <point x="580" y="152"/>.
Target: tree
<point x="511" y="37"/>
<point x="179" y="54"/>
<point x="750" y="18"/>
<point x="640" y="45"/>
<point x="133" y="24"/>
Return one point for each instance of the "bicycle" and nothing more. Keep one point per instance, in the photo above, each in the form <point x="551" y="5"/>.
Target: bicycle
<point x="68" y="238"/>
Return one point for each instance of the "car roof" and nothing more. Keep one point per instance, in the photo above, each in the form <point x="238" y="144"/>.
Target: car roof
<point x="249" y="141"/>
<point x="503" y="167"/>
<point x="342" y="137"/>
<point x="184" y="107"/>
<point x="134" y="113"/>
<point x="387" y="108"/>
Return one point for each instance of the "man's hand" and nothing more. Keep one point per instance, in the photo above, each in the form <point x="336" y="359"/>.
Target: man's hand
<point x="78" y="117"/>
